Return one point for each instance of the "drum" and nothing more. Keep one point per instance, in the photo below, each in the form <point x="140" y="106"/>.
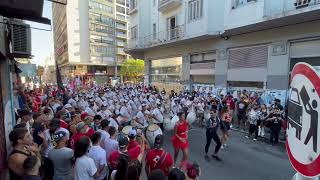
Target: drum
<point x="126" y="130"/>
<point x="170" y="123"/>
<point x="191" y="118"/>
<point x="152" y="131"/>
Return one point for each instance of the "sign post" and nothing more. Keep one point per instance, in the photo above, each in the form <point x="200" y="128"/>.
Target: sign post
<point x="303" y="127"/>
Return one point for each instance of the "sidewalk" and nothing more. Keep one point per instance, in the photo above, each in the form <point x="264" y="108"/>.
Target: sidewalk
<point x="266" y="136"/>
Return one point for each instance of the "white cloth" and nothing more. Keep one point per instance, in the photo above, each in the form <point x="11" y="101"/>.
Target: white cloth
<point x="85" y="168"/>
<point x="99" y="157"/>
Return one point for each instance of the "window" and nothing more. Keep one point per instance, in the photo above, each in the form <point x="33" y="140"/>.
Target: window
<point x="133" y="4"/>
<point x="103" y="50"/>
<point x="100" y="7"/>
<point x="102" y="19"/>
<point x="195" y="10"/>
<point x="101" y="28"/>
<point x="134" y="32"/>
<point x="237" y="3"/>
<point x="154" y="30"/>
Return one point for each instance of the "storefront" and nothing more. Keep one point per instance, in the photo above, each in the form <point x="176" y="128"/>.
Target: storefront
<point x="166" y="73"/>
<point x="305" y="51"/>
<point x="247" y="67"/>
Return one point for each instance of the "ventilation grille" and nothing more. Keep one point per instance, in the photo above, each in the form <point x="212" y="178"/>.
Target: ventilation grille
<point x="251" y="57"/>
<point x="21" y="40"/>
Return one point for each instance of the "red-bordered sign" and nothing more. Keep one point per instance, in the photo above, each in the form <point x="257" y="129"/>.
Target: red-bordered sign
<point x="301" y="145"/>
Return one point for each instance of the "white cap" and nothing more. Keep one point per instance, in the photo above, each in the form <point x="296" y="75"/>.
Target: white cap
<point x="67" y="106"/>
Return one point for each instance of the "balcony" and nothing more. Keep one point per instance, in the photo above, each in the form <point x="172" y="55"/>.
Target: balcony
<point x="121" y="18"/>
<point x="160" y="38"/>
<point x="120" y="44"/>
<point x="274" y="9"/>
<point x="120" y="26"/>
<point x="165" y="5"/>
<point x="120" y="51"/>
<point x="121" y="35"/>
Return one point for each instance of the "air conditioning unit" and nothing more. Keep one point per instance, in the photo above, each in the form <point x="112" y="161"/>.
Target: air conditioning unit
<point x="20" y="40"/>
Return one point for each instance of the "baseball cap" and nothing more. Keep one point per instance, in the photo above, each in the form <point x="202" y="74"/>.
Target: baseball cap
<point x="83" y="115"/>
<point x="80" y="125"/>
<point x="123" y="141"/>
<point x="132" y="133"/>
<point x="59" y="135"/>
<point x="158" y="142"/>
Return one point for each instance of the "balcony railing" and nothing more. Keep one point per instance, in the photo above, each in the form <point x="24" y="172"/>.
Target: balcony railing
<point x="119" y="26"/>
<point x="121" y="18"/>
<point x="160" y="38"/>
<point x="168" y="4"/>
<point x="289" y="7"/>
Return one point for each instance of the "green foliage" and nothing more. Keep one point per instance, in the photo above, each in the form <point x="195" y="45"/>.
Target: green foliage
<point x="134" y="69"/>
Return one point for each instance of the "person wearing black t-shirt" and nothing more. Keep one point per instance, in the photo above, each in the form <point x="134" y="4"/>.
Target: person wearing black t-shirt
<point x="275" y="119"/>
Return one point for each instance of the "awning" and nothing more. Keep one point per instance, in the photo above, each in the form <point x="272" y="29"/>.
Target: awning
<point x="21" y="9"/>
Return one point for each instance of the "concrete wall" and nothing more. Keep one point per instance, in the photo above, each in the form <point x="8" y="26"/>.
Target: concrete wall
<point x="243" y="15"/>
<point x="276" y="74"/>
<point x="73" y="22"/>
<point x="84" y="29"/>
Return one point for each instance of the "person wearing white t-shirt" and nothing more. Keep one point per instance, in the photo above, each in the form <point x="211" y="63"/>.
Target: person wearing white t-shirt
<point x="111" y="144"/>
<point x="85" y="167"/>
<point x="140" y="119"/>
<point x="124" y="114"/>
<point x="104" y="131"/>
<point x="157" y="116"/>
<point x="99" y="156"/>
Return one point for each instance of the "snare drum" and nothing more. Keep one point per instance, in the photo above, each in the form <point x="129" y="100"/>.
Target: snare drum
<point x="152" y="131"/>
<point x="126" y="130"/>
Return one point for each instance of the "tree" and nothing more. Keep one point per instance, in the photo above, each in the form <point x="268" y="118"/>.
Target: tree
<point x="133" y="69"/>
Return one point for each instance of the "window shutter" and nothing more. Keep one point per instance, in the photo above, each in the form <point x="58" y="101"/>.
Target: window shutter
<point x="250" y="57"/>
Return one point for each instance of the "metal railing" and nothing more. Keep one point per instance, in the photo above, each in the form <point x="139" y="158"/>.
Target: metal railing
<point x="162" y="37"/>
<point x="273" y="8"/>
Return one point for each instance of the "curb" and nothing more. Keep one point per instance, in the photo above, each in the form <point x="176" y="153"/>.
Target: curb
<point x="265" y="138"/>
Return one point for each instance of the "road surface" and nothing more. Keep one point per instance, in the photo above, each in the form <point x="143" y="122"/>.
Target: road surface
<point x="244" y="159"/>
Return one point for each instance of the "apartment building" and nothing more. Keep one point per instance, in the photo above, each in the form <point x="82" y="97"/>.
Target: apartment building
<point x="228" y="43"/>
<point x="89" y="37"/>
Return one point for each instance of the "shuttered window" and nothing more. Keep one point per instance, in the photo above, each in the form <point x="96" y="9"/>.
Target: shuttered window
<point x="249" y="57"/>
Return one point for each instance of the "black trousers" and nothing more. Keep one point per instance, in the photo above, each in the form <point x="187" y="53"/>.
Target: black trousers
<point x="253" y="129"/>
<point x="212" y="134"/>
<point x="274" y="135"/>
<point x="48" y="169"/>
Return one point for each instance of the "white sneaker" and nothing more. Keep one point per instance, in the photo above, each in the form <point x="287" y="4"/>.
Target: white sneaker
<point x="254" y="139"/>
<point x="222" y="147"/>
<point x="247" y="137"/>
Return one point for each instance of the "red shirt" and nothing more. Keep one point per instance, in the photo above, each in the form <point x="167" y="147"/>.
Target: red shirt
<point x="230" y="103"/>
<point x="75" y="138"/>
<point x="132" y="144"/>
<point x="63" y="124"/>
<point x="154" y="156"/>
<point x="114" y="156"/>
<point x="90" y="132"/>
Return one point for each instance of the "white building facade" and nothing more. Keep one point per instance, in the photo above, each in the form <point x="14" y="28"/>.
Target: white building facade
<point x="228" y="43"/>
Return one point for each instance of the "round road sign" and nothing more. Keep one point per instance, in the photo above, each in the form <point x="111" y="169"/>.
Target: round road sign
<point x="303" y="114"/>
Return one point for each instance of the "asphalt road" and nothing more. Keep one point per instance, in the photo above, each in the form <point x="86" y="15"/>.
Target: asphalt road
<point x="243" y="159"/>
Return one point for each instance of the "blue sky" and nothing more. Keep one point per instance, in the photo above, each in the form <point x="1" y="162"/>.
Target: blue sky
<point x="42" y="41"/>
